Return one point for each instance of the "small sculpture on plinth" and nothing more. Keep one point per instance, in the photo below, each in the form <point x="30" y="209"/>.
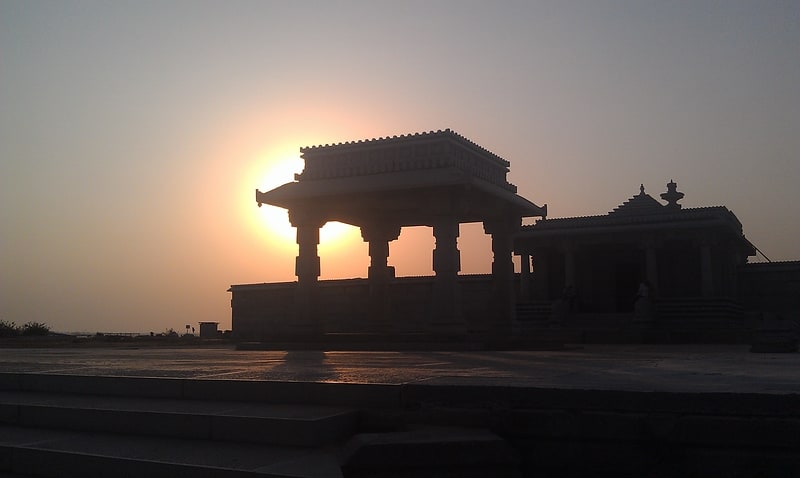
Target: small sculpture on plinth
<point x="643" y="309"/>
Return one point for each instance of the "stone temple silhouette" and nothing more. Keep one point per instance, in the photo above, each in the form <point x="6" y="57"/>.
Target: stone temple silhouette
<point x="646" y="271"/>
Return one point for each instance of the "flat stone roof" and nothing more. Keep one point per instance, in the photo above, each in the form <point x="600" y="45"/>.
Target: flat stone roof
<point x="394" y="170"/>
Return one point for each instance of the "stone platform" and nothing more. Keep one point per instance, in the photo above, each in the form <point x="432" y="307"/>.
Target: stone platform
<point x="589" y="411"/>
<point x="640" y="368"/>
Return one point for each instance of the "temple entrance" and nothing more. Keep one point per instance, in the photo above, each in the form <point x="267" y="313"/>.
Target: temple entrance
<point x="627" y="276"/>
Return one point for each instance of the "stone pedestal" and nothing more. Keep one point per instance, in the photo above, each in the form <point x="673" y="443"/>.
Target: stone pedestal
<point x="644" y="311"/>
<point x="525" y="278"/>
<point x="307" y="268"/>
<point x="503" y="299"/>
<point x="447" y="318"/>
<point x="379" y="274"/>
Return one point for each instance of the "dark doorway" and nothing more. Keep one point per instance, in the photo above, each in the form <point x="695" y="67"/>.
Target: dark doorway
<point x="626" y="278"/>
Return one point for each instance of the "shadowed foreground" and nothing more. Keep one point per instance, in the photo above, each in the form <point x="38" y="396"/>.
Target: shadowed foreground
<point x="601" y="410"/>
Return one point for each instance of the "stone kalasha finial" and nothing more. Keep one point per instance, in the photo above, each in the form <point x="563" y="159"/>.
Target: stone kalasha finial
<point x="672" y="196"/>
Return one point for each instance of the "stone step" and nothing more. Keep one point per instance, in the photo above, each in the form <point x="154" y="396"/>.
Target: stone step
<point x="266" y="423"/>
<point x="350" y="395"/>
<point x="56" y="426"/>
<point x="534" y="311"/>
<point x="698" y="308"/>
<point x="60" y="453"/>
<point x="430" y="451"/>
<point x="113" y="426"/>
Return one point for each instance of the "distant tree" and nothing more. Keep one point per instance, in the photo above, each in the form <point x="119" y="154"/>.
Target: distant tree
<point x="35" y="329"/>
<point x="8" y="329"/>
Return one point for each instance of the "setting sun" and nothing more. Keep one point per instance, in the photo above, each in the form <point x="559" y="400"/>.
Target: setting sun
<point x="274" y="221"/>
<point x="334" y="232"/>
<point x="271" y="169"/>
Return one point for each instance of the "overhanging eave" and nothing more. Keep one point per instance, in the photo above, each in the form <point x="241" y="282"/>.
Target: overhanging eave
<point x="403" y="184"/>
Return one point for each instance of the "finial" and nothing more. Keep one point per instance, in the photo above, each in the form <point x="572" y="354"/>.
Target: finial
<point x="641" y="189"/>
<point x="672" y="196"/>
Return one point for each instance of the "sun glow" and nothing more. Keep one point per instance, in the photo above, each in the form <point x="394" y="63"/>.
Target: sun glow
<point x="274" y="221"/>
<point x="271" y="170"/>
<point x="335" y="232"/>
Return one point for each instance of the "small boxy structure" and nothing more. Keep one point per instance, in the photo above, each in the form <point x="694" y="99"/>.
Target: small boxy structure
<point x="208" y="330"/>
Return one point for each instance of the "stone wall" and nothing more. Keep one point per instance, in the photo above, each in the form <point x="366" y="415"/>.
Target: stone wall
<point x="578" y="433"/>
<point x="261" y="312"/>
<point x="771" y="287"/>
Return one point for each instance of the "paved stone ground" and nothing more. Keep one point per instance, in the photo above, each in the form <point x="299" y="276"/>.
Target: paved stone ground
<point x="669" y="368"/>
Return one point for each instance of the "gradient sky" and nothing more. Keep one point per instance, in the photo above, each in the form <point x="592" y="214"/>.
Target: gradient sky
<point x="134" y="133"/>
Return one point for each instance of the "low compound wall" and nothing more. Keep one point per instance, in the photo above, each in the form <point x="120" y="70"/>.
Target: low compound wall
<point x="579" y="433"/>
<point x="262" y="311"/>
<point x="772" y="287"/>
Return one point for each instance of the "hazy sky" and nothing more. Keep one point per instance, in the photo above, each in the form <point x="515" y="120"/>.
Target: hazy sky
<point x="134" y="133"/>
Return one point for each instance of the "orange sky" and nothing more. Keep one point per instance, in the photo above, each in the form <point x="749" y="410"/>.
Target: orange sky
<point x="133" y="135"/>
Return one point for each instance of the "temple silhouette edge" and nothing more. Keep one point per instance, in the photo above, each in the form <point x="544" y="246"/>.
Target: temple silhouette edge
<point x="648" y="271"/>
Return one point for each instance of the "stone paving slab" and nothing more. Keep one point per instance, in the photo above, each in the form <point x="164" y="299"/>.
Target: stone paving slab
<point x="186" y="407"/>
<point x="661" y="368"/>
<point x="124" y="451"/>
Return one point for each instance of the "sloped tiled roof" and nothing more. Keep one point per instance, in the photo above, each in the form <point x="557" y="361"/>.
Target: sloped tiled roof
<point x="404" y="138"/>
<point x="641" y="209"/>
<point x="423" y="152"/>
<point x="642" y="203"/>
<point x="611" y="219"/>
<point x="379" y="168"/>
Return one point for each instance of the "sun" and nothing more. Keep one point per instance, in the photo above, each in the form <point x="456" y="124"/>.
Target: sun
<point x="334" y="232"/>
<point x="274" y="221"/>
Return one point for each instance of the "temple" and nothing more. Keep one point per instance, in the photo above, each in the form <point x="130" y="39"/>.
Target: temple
<point x="645" y="271"/>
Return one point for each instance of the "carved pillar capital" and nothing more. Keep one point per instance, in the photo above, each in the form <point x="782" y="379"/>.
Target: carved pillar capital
<point x="503" y="225"/>
<point x="378" y="235"/>
<point x="446" y="257"/>
<point x="446" y="264"/>
<point x="377" y="231"/>
<point x="308" y="224"/>
<point x="502" y="230"/>
<point x="305" y="217"/>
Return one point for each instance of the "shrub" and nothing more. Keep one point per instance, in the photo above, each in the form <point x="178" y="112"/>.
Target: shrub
<point x="35" y="329"/>
<point x="8" y="329"/>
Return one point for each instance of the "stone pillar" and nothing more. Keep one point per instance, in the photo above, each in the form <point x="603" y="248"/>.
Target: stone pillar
<point x="732" y="266"/>
<point x="503" y="304"/>
<point x="651" y="265"/>
<point x="447" y="317"/>
<point x="380" y="274"/>
<point x="378" y="236"/>
<point x="306" y="266"/>
<point x="569" y="266"/>
<point x="525" y="277"/>
<point x="706" y="270"/>
<point x="307" y="269"/>
<point x="644" y="308"/>
<point x="541" y="275"/>
<point x="565" y="303"/>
